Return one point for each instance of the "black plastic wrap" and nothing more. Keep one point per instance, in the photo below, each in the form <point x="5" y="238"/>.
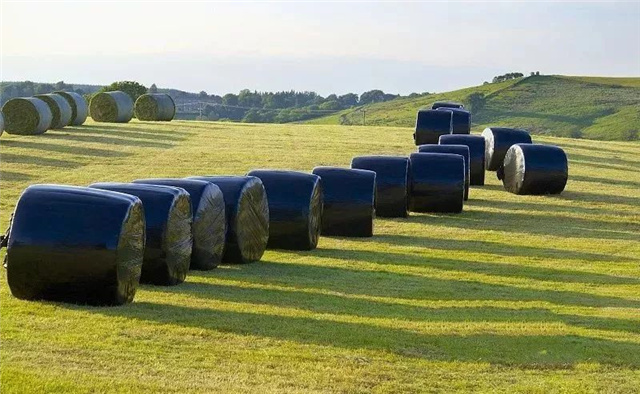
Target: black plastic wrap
<point x="461" y="150"/>
<point x="461" y="122"/>
<point x="498" y="140"/>
<point x="295" y="208"/>
<point x="247" y="211"/>
<point x="167" y="212"/>
<point x="431" y="124"/>
<point x="209" y="224"/>
<point x="349" y="198"/>
<point x="446" y="104"/>
<point x="437" y="182"/>
<point x="76" y="244"/>
<point x="476" y="154"/>
<point x="534" y="169"/>
<point x="392" y="184"/>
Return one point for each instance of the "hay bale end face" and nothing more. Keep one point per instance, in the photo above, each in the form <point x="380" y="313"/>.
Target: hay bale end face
<point x="76" y="244"/>
<point x="431" y="124"/>
<point x="209" y="224"/>
<point x="26" y="116"/>
<point x="295" y="208"/>
<point x="498" y="140"/>
<point x="392" y="184"/>
<point x="535" y="169"/>
<point x="79" y="107"/>
<point x="111" y="107"/>
<point x="476" y="154"/>
<point x="60" y="109"/>
<point x="437" y="182"/>
<point x="461" y="150"/>
<point x="446" y="104"/>
<point x="167" y="212"/>
<point x="155" y="107"/>
<point x="461" y="121"/>
<point x="247" y="212"/>
<point x="349" y="200"/>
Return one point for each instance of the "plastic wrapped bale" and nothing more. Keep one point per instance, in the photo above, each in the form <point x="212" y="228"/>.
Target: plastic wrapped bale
<point x="1" y="124"/>
<point x="461" y="150"/>
<point x="167" y="212"/>
<point x="461" y="121"/>
<point x="26" y="116"/>
<point x="247" y="212"/>
<point x="476" y="154"/>
<point x="392" y="184"/>
<point x="446" y="104"/>
<point x="295" y="208"/>
<point x="534" y="169"/>
<point x="155" y="107"/>
<point x="209" y="224"/>
<point x="431" y="124"/>
<point x="498" y="140"/>
<point x="437" y="182"/>
<point x="111" y="107"/>
<point x="60" y="109"/>
<point x="349" y="200"/>
<point x="79" y="107"/>
<point x="76" y="244"/>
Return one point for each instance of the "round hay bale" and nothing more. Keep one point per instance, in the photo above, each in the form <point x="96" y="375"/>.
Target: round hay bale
<point x="461" y="150"/>
<point x="437" y="182"/>
<point x="76" y="244"/>
<point x="209" y="224"/>
<point x="392" y="184"/>
<point x="155" y="107"/>
<point x="498" y="140"/>
<point x="461" y="121"/>
<point x="431" y="124"/>
<point x="534" y="169"/>
<point x="476" y="154"/>
<point x="60" y="109"/>
<point x="295" y="208"/>
<point x="26" y="116"/>
<point x="349" y="200"/>
<point x="79" y="107"/>
<point x="167" y="212"/>
<point x="111" y="107"/>
<point x="247" y="211"/>
<point x="446" y="104"/>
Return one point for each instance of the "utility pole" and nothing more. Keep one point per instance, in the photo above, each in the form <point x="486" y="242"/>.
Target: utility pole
<point x="364" y="117"/>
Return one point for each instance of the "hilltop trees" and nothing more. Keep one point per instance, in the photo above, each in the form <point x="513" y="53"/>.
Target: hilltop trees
<point x="506" y="77"/>
<point x="132" y="88"/>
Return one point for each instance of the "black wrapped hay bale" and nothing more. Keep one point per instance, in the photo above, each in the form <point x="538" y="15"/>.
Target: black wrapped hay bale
<point x="446" y="104"/>
<point x="349" y="199"/>
<point x="437" y="182"/>
<point x="392" y="184"/>
<point x="167" y="212"/>
<point x="76" y="244"/>
<point x="461" y="121"/>
<point x="534" y="169"/>
<point x="431" y="124"/>
<point x="26" y="116"/>
<point x="295" y="208"/>
<point x="247" y="212"/>
<point x="209" y="224"/>
<point x="476" y="154"/>
<point x="498" y="140"/>
<point x="461" y="150"/>
<point x="60" y="109"/>
<point x="155" y="107"/>
<point x="111" y="107"/>
<point x="79" y="107"/>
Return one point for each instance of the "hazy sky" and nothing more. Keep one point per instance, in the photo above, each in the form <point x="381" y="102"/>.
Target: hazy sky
<point x="326" y="47"/>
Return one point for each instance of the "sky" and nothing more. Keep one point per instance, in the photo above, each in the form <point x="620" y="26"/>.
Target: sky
<point x="327" y="47"/>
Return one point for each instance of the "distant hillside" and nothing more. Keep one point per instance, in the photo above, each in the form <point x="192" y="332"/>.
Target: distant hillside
<point x="580" y="107"/>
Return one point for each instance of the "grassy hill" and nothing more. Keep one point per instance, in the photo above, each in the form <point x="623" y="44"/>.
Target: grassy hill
<point x="516" y="294"/>
<point x="580" y="107"/>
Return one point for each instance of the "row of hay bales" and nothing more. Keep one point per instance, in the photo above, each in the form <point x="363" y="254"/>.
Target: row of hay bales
<point x="118" y="107"/>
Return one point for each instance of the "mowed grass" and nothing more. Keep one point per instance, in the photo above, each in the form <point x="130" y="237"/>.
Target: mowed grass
<point x="516" y="294"/>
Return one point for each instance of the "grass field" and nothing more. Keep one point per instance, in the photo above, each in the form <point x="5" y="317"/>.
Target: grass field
<point x="516" y="294"/>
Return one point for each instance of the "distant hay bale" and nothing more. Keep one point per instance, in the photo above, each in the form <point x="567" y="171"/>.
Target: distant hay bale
<point x="76" y="244"/>
<point x="431" y="124"/>
<point x="79" y="107"/>
<point x="498" y="140"/>
<point x="461" y="150"/>
<point x="26" y="116"/>
<point x="461" y="122"/>
<point x="437" y="182"/>
<point x="60" y="109"/>
<point x="111" y="107"/>
<point x="534" y="169"/>
<point x="446" y="104"/>
<point x="476" y="154"/>
<point x="155" y="107"/>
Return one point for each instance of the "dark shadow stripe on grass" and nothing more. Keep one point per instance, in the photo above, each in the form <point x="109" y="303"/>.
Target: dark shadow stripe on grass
<point x="61" y="148"/>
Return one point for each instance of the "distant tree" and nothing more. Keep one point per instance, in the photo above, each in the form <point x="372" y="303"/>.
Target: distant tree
<point x="332" y="105"/>
<point x="537" y="72"/>
<point x="506" y="77"/>
<point x="153" y="88"/>
<point x="252" y="116"/>
<point x="372" y="96"/>
<point x="476" y="102"/>
<point x="60" y="85"/>
<point x="532" y="73"/>
<point x="230" y="99"/>
<point x="203" y="94"/>
<point x="348" y="100"/>
<point x="132" y="88"/>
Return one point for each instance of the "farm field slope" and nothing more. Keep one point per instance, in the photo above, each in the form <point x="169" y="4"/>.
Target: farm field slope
<point x="516" y="294"/>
